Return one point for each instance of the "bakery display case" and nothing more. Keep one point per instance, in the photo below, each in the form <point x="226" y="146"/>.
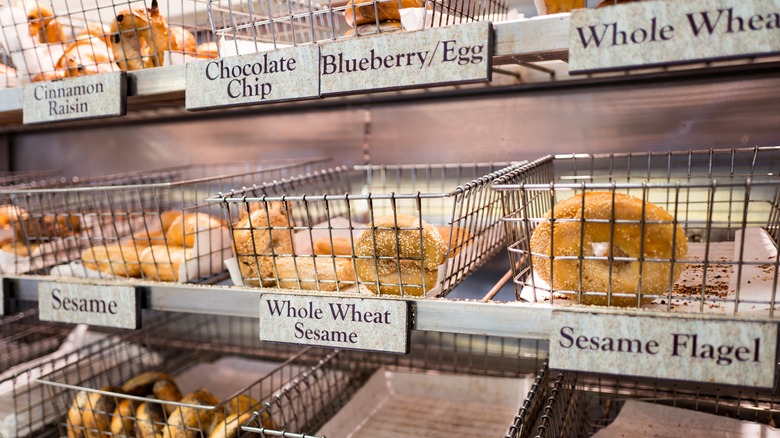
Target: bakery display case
<point x="686" y="144"/>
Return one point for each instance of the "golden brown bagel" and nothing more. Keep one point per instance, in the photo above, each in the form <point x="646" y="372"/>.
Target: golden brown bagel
<point x="652" y="233"/>
<point x="139" y="38"/>
<point x="403" y="256"/>
<point x="340" y="246"/>
<point x="123" y="420"/>
<point x="90" y="414"/>
<point x="116" y="260"/>
<point x="142" y="239"/>
<point x="43" y="24"/>
<point x="461" y="238"/>
<point x="86" y="56"/>
<point x="182" y="40"/>
<point x="20" y="249"/>
<point x="208" y="50"/>
<point x="150" y="420"/>
<point x="362" y="11"/>
<point x="186" y="422"/>
<point x="373" y="29"/>
<point x="142" y="384"/>
<point x="161" y="263"/>
<point x="183" y="229"/>
<point x="558" y="6"/>
<point x="326" y="275"/>
<point x="168" y="216"/>
<point x="166" y="390"/>
<point x="258" y="237"/>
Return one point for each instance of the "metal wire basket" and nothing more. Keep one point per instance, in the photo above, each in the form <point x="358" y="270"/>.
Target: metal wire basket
<point x="54" y="39"/>
<point x="96" y="396"/>
<point x="29" y="349"/>
<point x="700" y="228"/>
<point x="580" y="405"/>
<point x="314" y="232"/>
<point x="258" y="25"/>
<point x="24" y="337"/>
<point x="435" y="359"/>
<point x="102" y="227"/>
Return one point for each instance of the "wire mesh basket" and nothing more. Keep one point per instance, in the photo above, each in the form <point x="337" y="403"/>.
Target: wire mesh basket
<point x="692" y="231"/>
<point x="581" y="405"/>
<point x="314" y="232"/>
<point x="191" y="375"/>
<point x="29" y="349"/>
<point x="54" y="39"/>
<point x="151" y="225"/>
<point x="24" y="337"/>
<point x="258" y="25"/>
<point x="474" y="379"/>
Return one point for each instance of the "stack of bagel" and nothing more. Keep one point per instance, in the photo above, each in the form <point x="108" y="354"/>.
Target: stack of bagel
<point x="94" y="414"/>
<point x="396" y="255"/>
<point x="155" y="254"/>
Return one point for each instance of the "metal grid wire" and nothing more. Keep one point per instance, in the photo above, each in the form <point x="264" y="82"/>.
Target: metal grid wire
<point x="320" y="234"/>
<point x="31" y="349"/>
<point x="579" y="405"/>
<point x="152" y="225"/>
<point x="725" y="202"/>
<point x="54" y="39"/>
<point x="304" y="406"/>
<point x="24" y="337"/>
<point x="257" y="25"/>
<point x="175" y="346"/>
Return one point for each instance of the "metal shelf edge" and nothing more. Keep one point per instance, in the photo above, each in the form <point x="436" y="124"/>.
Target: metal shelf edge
<point x="472" y="317"/>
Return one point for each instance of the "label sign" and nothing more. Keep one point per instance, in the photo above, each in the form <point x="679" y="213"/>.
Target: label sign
<point x="274" y="76"/>
<point x="353" y="323"/>
<point x="115" y="306"/>
<point x="448" y="55"/>
<point x="669" y="32"/>
<point x="667" y="347"/>
<point x="85" y="97"/>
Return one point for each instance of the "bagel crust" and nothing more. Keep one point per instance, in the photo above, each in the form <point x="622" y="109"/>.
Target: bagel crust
<point x="405" y="258"/>
<point x="645" y="240"/>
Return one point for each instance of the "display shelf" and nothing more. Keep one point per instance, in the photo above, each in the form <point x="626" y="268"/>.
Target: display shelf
<point x="511" y="319"/>
<point x="523" y="41"/>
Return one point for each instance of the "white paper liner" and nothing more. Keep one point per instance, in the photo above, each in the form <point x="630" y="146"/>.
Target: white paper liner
<point x="28" y="372"/>
<point x="228" y="375"/>
<point x="756" y="282"/>
<point x="396" y="404"/>
<point x="210" y="248"/>
<point x="340" y="228"/>
<point x="639" y="419"/>
<point x="230" y="47"/>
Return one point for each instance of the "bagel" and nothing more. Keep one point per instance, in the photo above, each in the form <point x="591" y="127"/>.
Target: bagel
<point x="90" y="414"/>
<point x="374" y="29"/>
<point x="161" y="263"/>
<point x="652" y="233"/>
<point x="123" y="420"/>
<point x="143" y="239"/>
<point x="208" y="50"/>
<point x="258" y="237"/>
<point x="19" y="249"/>
<point x="189" y="422"/>
<point x="461" y="238"/>
<point x="362" y="11"/>
<point x="325" y="275"/>
<point x="116" y="260"/>
<point x="150" y="420"/>
<point x="182" y="40"/>
<point x="338" y="246"/>
<point x="86" y="56"/>
<point x="44" y="24"/>
<point x="139" y="38"/>
<point x="402" y="254"/>
<point x="183" y="229"/>
<point x="558" y="6"/>
<point x="10" y="213"/>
